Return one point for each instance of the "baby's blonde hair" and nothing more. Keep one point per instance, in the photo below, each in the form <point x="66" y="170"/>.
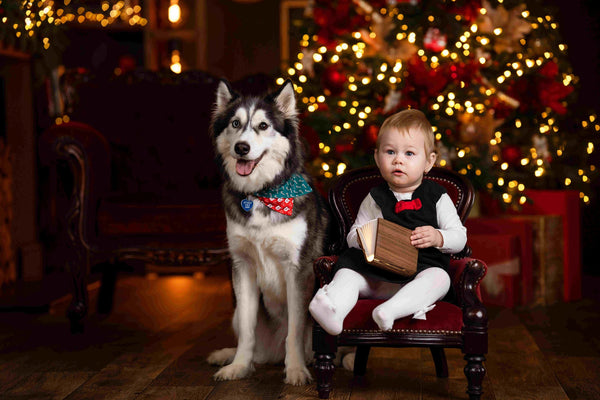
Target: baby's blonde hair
<point x="406" y="120"/>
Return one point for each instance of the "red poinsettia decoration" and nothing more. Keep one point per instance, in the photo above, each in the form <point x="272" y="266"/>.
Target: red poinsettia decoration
<point x="469" y="10"/>
<point x="335" y="19"/>
<point x="422" y="83"/>
<point x="543" y="91"/>
<point x="467" y="72"/>
<point x="551" y="90"/>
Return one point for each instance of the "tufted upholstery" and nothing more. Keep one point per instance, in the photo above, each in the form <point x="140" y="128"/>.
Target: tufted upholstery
<point x="460" y="322"/>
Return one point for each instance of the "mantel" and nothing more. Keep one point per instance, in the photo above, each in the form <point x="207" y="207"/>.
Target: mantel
<point x="10" y="52"/>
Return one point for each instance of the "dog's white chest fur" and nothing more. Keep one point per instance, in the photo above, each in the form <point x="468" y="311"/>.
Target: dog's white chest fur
<point x="272" y="249"/>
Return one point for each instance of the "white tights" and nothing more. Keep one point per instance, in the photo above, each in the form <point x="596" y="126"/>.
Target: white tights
<point x="333" y="302"/>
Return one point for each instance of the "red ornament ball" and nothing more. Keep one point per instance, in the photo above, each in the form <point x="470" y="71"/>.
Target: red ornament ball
<point x="511" y="154"/>
<point x="334" y="79"/>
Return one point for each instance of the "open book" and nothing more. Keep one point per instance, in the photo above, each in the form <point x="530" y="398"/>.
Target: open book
<point x="387" y="245"/>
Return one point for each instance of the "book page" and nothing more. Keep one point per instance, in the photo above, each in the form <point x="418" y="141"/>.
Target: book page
<point x="366" y="235"/>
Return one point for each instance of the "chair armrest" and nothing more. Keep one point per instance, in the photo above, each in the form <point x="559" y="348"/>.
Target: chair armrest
<point x="87" y="155"/>
<point x="467" y="275"/>
<point x="323" y="267"/>
<point x="466" y="252"/>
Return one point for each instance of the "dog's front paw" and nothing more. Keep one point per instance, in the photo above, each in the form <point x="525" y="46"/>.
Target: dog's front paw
<point x="221" y="357"/>
<point x="297" y="376"/>
<point x="233" y="371"/>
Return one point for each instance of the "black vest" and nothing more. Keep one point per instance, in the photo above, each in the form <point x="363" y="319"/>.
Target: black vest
<point x="429" y="193"/>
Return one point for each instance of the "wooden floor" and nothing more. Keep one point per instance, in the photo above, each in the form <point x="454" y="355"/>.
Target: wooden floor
<point x="154" y="346"/>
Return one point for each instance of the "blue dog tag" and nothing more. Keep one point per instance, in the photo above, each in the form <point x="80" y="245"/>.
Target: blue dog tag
<point x="247" y="205"/>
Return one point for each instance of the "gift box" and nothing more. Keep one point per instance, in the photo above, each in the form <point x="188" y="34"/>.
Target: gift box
<point x="547" y="254"/>
<point x="565" y="203"/>
<point x="500" y="252"/>
<point x="523" y="231"/>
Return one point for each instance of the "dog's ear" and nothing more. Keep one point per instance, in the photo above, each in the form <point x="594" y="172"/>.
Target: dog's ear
<point x="285" y="99"/>
<point x="224" y="95"/>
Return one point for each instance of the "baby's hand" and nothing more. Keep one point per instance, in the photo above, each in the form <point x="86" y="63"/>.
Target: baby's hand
<point x="426" y="236"/>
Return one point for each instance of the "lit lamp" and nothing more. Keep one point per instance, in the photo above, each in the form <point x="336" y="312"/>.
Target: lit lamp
<point x="174" y="12"/>
<point x="175" y="55"/>
<point x="175" y="62"/>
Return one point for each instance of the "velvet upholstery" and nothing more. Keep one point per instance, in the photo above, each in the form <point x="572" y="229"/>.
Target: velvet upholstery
<point x="445" y="317"/>
<point x="460" y="324"/>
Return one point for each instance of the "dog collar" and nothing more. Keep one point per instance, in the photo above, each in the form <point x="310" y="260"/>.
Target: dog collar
<point x="281" y="197"/>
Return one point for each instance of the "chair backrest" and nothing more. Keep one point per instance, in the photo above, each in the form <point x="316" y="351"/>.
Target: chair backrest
<point x="348" y="192"/>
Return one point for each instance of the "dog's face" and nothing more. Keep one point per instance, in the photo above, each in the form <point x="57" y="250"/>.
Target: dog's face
<point x="255" y="138"/>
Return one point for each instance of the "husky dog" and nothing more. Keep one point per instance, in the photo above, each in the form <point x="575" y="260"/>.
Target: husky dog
<point x="276" y="227"/>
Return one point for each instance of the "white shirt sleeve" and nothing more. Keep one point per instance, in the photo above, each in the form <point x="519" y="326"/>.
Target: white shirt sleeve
<point x="451" y="228"/>
<point x="368" y="211"/>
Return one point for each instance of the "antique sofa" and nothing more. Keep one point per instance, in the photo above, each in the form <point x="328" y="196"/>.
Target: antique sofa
<point x="130" y="180"/>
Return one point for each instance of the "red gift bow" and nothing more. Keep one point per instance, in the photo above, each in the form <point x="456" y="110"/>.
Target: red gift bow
<point x="408" y="205"/>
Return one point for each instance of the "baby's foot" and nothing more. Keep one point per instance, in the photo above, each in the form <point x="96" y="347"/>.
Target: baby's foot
<point x="323" y="311"/>
<point x="383" y="321"/>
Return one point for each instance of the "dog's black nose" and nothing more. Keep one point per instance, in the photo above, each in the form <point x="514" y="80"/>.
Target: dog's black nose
<point x="242" y="148"/>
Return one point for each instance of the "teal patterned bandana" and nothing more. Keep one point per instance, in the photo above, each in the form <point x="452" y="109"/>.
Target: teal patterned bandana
<point x="293" y="187"/>
<point x="281" y="198"/>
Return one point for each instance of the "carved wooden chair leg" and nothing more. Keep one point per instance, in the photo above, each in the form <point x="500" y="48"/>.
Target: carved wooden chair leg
<point x="325" y="348"/>
<point x="107" y="288"/>
<point x="360" y="361"/>
<point x="79" y="304"/>
<point x="439" y="359"/>
<point x="324" y="369"/>
<point x="475" y="372"/>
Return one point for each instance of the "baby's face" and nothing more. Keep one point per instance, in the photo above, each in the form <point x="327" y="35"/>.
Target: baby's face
<point x="402" y="159"/>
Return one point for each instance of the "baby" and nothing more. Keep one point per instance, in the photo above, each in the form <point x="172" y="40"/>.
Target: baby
<point x="404" y="153"/>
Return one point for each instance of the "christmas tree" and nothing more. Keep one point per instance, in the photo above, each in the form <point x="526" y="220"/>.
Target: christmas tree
<point x="492" y="77"/>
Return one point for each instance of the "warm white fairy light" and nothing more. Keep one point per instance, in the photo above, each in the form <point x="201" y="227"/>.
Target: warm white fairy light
<point x="48" y="12"/>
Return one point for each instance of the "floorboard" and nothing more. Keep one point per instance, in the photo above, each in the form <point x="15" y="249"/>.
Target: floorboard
<point x="155" y="343"/>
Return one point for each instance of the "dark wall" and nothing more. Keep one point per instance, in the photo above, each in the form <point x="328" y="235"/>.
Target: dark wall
<point x="102" y="50"/>
<point x="243" y="38"/>
<point x="579" y="24"/>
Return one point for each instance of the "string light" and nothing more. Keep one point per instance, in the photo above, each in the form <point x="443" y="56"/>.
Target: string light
<point x="39" y="14"/>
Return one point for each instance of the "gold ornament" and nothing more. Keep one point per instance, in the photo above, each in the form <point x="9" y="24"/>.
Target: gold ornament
<point x="506" y="28"/>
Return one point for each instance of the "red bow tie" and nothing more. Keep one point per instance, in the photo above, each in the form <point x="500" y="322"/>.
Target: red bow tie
<point x="408" y="205"/>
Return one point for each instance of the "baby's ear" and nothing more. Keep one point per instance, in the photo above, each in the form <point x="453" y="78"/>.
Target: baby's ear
<point x="375" y="156"/>
<point x="431" y="161"/>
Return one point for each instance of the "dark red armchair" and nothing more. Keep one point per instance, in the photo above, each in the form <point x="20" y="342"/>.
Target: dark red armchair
<point x="462" y="324"/>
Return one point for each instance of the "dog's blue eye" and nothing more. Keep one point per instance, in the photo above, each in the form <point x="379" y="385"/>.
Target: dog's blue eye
<point x="235" y="123"/>
<point x="263" y="126"/>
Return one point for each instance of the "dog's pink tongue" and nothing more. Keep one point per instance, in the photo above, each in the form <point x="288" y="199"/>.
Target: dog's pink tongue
<point x="244" y="167"/>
